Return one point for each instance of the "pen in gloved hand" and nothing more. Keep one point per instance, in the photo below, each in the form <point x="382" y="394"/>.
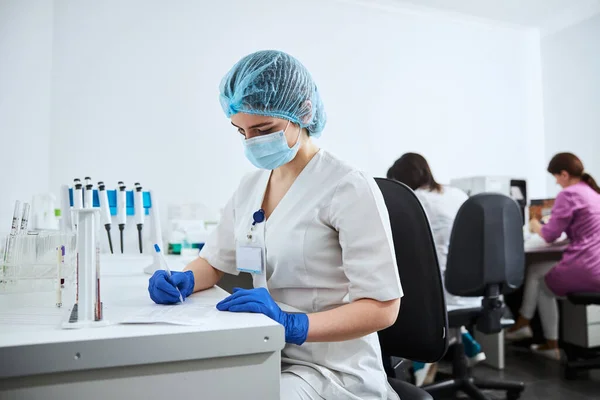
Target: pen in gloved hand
<point x="166" y="267"/>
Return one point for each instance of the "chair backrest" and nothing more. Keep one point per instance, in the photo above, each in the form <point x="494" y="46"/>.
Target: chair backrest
<point x="420" y="331"/>
<point x="486" y="247"/>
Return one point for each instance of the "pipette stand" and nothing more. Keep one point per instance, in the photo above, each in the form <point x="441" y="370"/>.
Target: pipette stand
<point x="87" y="310"/>
<point x="155" y="235"/>
<point x="151" y="208"/>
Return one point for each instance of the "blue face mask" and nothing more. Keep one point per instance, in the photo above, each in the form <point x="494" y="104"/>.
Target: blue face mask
<point x="271" y="151"/>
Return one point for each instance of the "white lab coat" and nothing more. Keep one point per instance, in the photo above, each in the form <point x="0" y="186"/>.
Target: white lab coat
<point x="328" y="243"/>
<point x="441" y="209"/>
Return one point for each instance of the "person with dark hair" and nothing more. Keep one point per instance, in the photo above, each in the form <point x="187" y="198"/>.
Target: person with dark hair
<point x="413" y="170"/>
<point x="441" y="203"/>
<point x="576" y="212"/>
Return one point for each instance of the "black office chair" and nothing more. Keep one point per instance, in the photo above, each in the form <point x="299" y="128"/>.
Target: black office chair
<point x="420" y="331"/>
<point x="581" y="358"/>
<point x="485" y="258"/>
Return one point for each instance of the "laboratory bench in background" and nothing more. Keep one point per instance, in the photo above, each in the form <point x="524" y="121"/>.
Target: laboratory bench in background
<point x="232" y="356"/>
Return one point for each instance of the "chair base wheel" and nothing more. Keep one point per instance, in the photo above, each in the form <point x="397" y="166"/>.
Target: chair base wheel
<point x="513" y="395"/>
<point x="569" y="373"/>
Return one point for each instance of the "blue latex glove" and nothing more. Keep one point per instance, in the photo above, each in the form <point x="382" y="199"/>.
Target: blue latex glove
<point x="260" y="301"/>
<point x="162" y="288"/>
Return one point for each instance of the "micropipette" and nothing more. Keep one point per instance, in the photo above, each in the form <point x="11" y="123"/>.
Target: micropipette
<point x="138" y="204"/>
<point x="88" y="195"/>
<point x="25" y="218"/>
<point x="105" y="212"/>
<point x="121" y="210"/>
<point x="66" y="221"/>
<point x="77" y="194"/>
<point x="166" y="267"/>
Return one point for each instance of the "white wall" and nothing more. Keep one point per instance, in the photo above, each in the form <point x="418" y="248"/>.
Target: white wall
<point x="25" y="77"/>
<point x="571" y="75"/>
<point x="135" y="90"/>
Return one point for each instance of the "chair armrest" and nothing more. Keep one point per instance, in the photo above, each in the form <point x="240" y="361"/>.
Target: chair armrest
<point x="407" y="391"/>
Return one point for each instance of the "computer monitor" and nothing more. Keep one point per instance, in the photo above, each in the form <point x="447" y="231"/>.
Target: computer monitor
<point x="540" y="208"/>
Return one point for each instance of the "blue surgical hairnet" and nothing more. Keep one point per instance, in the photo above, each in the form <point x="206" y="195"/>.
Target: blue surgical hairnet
<point x="274" y="84"/>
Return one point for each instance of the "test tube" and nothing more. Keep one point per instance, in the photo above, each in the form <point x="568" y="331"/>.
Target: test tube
<point x="24" y="219"/>
<point x="60" y="259"/>
<point x="14" y="229"/>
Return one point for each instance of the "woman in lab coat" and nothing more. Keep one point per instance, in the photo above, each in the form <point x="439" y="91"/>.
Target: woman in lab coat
<point x="312" y="230"/>
<point x="441" y="204"/>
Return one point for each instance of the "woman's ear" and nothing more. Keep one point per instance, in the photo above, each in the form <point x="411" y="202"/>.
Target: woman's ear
<point x="308" y="117"/>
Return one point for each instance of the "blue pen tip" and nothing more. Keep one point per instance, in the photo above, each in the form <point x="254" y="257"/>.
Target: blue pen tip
<point x="157" y="248"/>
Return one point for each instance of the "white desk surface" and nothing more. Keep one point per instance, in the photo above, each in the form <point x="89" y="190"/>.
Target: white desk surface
<point x="535" y="244"/>
<point x="124" y="288"/>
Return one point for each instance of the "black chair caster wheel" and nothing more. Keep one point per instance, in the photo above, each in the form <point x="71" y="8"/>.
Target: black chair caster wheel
<point x="569" y="373"/>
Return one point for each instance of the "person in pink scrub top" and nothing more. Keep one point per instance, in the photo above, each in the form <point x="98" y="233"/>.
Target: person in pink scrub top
<point x="576" y="212"/>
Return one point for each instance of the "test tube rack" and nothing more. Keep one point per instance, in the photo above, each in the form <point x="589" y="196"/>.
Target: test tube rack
<point x="28" y="261"/>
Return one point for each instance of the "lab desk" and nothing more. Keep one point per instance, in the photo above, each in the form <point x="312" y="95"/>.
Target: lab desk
<point x="232" y="356"/>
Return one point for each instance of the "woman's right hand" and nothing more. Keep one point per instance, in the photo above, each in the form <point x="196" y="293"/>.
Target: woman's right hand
<point x="535" y="226"/>
<point x="163" y="289"/>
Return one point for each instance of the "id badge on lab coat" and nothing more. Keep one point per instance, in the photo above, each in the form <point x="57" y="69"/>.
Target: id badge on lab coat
<point x="250" y="252"/>
<point x="250" y="258"/>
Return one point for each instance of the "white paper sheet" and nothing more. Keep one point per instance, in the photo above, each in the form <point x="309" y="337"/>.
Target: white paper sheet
<point x="535" y="242"/>
<point x="516" y="193"/>
<point x="180" y="314"/>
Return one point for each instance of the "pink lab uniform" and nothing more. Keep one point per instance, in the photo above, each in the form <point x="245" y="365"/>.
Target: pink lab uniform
<point x="576" y="212"/>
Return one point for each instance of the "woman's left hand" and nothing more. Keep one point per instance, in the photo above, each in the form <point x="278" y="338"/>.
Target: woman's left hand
<point x="535" y="226"/>
<point x="259" y="301"/>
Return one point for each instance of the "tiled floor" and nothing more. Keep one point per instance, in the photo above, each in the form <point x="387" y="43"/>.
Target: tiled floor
<point x="542" y="378"/>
